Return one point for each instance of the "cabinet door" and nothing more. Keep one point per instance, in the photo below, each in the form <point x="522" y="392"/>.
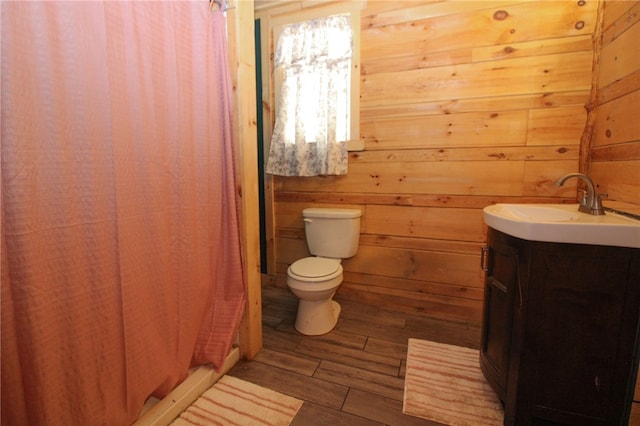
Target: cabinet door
<point x="500" y="285"/>
<point x="580" y="330"/>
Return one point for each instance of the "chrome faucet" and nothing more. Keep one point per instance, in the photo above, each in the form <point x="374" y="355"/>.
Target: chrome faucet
<point x="591" y="203"/>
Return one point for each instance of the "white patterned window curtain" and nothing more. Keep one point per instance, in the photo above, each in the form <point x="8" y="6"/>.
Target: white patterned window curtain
<point x="313" y="119"/>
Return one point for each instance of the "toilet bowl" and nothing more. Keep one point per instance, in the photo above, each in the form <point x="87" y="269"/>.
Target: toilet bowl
<point x="314" y="280"/>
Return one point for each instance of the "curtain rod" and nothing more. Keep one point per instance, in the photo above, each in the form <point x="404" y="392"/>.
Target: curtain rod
<point x="223" y="5"/>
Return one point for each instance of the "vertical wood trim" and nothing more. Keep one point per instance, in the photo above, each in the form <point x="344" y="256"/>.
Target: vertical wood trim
<point x="355" y="80"/>
<point x="268" y="120"/>
<point x="586" y="140"/>
<point x="240" y="23"/>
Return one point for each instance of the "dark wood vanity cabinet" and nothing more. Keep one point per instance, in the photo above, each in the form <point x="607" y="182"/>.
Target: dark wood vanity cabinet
<point x="560" y="324"/>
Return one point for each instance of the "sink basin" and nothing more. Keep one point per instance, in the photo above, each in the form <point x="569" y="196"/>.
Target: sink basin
<point x="563" y="223"/>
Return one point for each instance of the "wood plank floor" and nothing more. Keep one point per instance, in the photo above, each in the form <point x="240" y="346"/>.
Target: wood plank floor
<point x="353" y="375"/>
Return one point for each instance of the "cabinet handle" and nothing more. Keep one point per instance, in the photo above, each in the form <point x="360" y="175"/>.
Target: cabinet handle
<point x="518" y="280"/>
<point x="484" y="259"/>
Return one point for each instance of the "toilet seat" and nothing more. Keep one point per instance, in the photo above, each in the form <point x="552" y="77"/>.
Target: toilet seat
<point x="314" y="269"/>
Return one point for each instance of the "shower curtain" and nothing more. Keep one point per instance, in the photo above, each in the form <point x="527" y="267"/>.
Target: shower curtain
<point x="121" y="263"/>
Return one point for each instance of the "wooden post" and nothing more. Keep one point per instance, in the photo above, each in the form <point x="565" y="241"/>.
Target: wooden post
<point x="240" y="22"/>
<point x="587" y="135"/>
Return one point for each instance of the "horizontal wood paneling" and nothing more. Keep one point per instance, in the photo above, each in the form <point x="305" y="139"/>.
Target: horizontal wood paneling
<point x="435" y="306"/>
<point x="617" y="120"/>
<point x="319" y="199"/>
<point x="497" y="152"/>
<point x="619" y="15"/>
<point x="615" y="155"/>
<point x="618" y="152"/>
<point x="463" y="104"/>
<point x="465" y="177"/>
<point x="498" y="129"/>
<point x="533" y="48"/>
<point x="620" y="55"/>
<point x="541" y="74"/>
<point x="423" y="287"/>
<point x="470" y="24"/>
<point x="425" y="222"/>
<point x="556" y="126"/>
<point x="495" y="103"/>
<point x="539" y="177"/>
<point x="383" y="14"/>
<point x="440" y="267"/>
<point x="620" y="180"/>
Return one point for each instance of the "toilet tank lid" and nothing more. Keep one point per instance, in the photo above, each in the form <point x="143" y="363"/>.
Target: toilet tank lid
<point x="331" y="213"/>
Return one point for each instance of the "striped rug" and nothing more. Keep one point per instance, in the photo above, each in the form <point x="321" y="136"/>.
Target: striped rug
<point x="232" y="401"/>
<point x="443" y="383"/>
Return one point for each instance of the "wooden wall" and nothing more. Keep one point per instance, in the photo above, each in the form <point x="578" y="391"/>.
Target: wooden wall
<point x="615" y="147"/>
<point x="615" y="144"/>
<point x="463" y="104"/>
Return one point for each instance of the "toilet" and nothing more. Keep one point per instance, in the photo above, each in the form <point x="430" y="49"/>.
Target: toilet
<point x="332" y="235"/>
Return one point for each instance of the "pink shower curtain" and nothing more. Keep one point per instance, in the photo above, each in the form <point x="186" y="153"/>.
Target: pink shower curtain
<point x="121" y="262"/>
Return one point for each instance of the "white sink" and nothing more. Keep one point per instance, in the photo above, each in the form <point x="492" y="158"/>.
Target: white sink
<point x="563" y="223"/>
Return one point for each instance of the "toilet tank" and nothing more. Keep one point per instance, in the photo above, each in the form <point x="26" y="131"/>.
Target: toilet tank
<point x="333" y="233"/>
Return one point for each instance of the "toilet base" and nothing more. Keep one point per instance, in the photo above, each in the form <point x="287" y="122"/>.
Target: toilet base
<point x="316" y="317"/>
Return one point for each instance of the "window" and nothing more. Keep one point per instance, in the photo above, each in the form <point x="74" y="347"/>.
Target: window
<point x="316" y="87"/>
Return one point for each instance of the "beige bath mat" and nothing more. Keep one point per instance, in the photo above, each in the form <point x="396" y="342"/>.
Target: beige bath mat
<point x="443" y="383"/>
<point x="232" y="401"/>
